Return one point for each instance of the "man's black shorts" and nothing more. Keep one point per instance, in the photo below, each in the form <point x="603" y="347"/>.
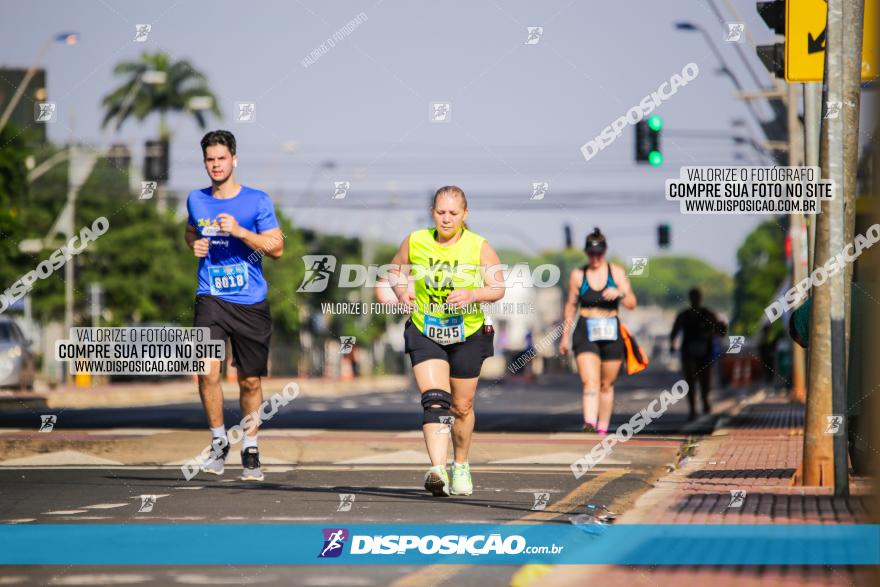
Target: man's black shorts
<point x="465" y="358"/>
<point x="249" y="326"/>
<point x="608" y="350"/>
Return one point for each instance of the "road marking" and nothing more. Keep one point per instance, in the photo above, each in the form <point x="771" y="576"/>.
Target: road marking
<point x="334" y="581"/>
<point x="64" y="512"/>
<point x="397" y="457"/>
<point x="199" y="579"/>
<point x="19" y="521"/>
<point x="103" y="506"/>
<point x="96" y="579"/>
<point x="12" y="580"/>
<point x="131" y="431"/>
<point x="278" y="432"/>
<point x="437" y="574"/>
<point x="556" y="458"/>
<point x="172" y="518"/>
<point x="61" y="457"/>
<point x="294" y="518"/>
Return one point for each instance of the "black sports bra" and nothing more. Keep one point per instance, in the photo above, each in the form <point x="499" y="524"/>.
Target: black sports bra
<point x="590" y="298"/>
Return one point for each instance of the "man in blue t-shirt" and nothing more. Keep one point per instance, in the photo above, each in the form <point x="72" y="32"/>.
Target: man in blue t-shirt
<point x="231" y="228"/>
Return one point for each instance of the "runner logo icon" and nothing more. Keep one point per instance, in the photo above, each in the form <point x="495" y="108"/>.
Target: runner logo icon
<point x="334" y="540"/>
<point x="318" y="270"/>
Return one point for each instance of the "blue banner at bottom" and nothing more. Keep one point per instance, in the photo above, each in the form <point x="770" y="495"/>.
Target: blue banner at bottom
<point x="287" y="544"/>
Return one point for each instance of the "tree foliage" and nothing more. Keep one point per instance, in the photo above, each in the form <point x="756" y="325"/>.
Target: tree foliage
<point x="762" y="269"/>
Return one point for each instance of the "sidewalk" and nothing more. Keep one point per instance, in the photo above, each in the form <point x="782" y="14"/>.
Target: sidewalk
<point x="185" y="390"/>
<point x="756" y="450"/>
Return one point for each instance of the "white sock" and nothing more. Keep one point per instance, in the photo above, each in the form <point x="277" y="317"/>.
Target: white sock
<point x="218" y="432"/>
<point x="248" y="442"/>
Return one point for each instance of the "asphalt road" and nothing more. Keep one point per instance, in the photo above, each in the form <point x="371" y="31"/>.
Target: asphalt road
<point x="357" y="460"/>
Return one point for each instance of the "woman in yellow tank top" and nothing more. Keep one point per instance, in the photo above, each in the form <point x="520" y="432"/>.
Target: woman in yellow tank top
<point x="454" y="271"/>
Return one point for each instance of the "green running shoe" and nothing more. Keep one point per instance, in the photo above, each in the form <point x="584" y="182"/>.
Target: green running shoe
<point x="437" y="481"/>
<point x="461" y="479"/>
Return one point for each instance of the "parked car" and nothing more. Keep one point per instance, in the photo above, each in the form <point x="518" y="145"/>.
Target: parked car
<point x="16" y="358"/>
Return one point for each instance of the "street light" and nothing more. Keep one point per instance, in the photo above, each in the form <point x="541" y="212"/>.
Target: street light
<point x="688" y="26"/>
<point x="68" y="38"/>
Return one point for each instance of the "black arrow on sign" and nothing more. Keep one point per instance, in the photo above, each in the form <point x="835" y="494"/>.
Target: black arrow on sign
<point x="816" y="45"/>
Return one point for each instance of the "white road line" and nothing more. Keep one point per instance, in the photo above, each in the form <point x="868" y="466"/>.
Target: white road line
<point x="103" y="506"/>
<point x="201" y="579"/>
<point x="273" y="432"/>
<point x="326" y="581"/>
<point x="18" y="521"/>
<point x="64" y="512"/>
<point x="131" y="431"/>
<point x="396" y="457"/>
<point x="61" y="457"/>
<point x="97" y="579"/>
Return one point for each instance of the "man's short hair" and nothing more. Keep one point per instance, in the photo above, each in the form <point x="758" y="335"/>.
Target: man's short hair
<point x="218" y="137"/>
<point x="695" y="296"/>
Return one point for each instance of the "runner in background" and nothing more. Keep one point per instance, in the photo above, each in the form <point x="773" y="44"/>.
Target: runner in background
<point x="599" y="287"/>
<point x="698" y="327"/>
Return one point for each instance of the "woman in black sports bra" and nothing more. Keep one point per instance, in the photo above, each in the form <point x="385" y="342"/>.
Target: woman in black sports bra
<point x="599" y="288"/>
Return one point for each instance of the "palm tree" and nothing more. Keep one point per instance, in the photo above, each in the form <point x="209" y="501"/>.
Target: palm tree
<point x="182" y="82"/>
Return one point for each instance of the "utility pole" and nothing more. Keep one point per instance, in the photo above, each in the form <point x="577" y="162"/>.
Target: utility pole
<point x="827" y="394"/>
<point x="812" y="129"/>
<point x="797" y="231"/>
<point x="853" y="25"/>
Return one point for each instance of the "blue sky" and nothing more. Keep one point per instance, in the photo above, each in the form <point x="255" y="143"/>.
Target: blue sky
<point x="519" y="112"/>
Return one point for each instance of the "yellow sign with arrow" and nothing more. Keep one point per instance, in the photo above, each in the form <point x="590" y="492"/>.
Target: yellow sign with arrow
<point x="805" y="22"/>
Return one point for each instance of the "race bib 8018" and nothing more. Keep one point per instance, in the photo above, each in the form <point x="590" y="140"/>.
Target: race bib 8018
<point x="227" y="279"/>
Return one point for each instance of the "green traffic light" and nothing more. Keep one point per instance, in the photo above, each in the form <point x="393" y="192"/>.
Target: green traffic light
<point x="655" y="158"/>
<point x="655" y="123"/>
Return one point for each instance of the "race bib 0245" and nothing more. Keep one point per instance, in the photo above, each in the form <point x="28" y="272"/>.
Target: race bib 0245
<point x="444" y="330"/>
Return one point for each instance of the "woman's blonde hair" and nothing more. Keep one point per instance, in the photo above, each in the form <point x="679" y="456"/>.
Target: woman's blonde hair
<point x="453" y="190"/>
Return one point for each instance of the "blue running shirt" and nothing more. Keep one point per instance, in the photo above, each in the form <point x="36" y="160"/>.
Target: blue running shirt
<point x="232" y="271"/>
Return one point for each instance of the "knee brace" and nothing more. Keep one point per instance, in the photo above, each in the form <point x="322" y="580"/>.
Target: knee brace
<point x="436" y="403"/>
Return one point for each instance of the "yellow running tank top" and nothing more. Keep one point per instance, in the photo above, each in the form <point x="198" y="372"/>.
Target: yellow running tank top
<point x="437" y="270"/>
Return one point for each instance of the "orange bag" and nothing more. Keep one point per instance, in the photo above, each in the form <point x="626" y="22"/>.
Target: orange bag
<point x="636" y="359"/>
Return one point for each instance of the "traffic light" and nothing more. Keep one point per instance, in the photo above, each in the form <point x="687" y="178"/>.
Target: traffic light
<point x="663" y="236"/>
<point x="648" y="141"/>
<point x="773" y="56"/>
<point x="568" y="241"/>
<point x="156" y="161"/>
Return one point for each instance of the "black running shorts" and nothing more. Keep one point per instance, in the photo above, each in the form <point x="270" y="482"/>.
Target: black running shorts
<point x="465" y="358"/>
<point x="608" y="350"/>
<point x="249" y="326"/>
